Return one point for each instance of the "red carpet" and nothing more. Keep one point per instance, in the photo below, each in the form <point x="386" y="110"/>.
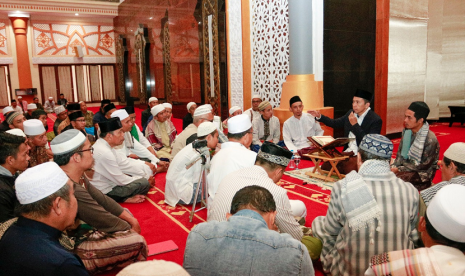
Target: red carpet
<point x="160" y="222"/>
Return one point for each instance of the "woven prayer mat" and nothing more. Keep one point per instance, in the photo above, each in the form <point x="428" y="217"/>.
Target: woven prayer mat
<point x="300" y="174"/>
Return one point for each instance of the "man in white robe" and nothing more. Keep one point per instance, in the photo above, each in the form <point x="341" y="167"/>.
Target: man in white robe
<point x="253" y="112"/>
<point x="182" y="182"/>
<point x="108" y="176"/>
<point x="234" y="155"/>
<point x="297" y="128"/>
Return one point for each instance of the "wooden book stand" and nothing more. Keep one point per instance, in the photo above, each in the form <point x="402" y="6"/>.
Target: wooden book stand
<point x="328" y="153"/>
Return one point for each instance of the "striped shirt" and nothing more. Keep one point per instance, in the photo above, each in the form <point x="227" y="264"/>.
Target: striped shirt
<point x="429" y="193"/>
<point x="347" y="252"/>
<point x="255" y="175"/>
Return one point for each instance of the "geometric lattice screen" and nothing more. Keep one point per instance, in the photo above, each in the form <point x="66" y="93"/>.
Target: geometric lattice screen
<point x="270" y="48"/>
<point x="60" y="39"/>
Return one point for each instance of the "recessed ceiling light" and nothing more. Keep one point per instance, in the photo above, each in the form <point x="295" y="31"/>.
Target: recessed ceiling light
<point x="151" y="18"/>
<point x="76" y="14"/>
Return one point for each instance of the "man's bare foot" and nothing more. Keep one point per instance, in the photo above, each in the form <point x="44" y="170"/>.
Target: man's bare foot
<point x="135" y="199"/>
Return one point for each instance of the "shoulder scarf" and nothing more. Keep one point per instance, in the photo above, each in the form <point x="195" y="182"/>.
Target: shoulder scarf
<point x="406" y="263"/>
<point x="135" y="133"/>
<point x="413" y="152"/>
<point x="358" y="201"/>
<point x="429" y="193"/>
<point x="154" y="136"/>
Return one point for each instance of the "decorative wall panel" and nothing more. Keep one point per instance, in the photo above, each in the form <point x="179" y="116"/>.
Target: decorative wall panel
<point x="235" y="53"/>
<point x="60" y="39"/>
<point x="4" y="39"/>
<point x="270" y="48"/>
<point x="210" y="7"/>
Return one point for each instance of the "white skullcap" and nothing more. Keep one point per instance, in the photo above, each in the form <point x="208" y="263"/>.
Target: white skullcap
<point x="234" y="109"/>
<point x="120" y="113"/>
<point x="256" y="96"/>
<point x="59" y="109"/>
<point x="153" y="268"/>
<point x="50" y="98"/>
<point x="202" y="110"/>
<point x="157" y="109"/>
<point x="33" y="127"/>
<point x="456" y="152"/>
<point x="7" y="109"/>
<point x="38" y="182"/>
<point x="445" y="212"/>
<point x="189" y="105"/>
<point x="239" y="123"/>
<point x="205" y="128"/>
<point x="67" y="141"/>
<point x="31" y="106"/>
<point x="209" y="106"/>
<point x="152" y="99"/>
<point x="167" y="105"/>
<point x="16" y="131"/>
<point x="19" y="97"/>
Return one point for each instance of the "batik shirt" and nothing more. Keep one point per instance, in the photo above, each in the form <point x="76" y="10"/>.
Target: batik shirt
<point x="429" y="159"/>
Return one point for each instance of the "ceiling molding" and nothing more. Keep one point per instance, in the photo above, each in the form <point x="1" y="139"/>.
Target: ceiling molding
<point x="61" y="7"/>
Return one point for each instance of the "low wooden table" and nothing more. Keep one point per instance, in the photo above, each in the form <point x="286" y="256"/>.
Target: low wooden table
<point x="457" y="112"/>
<point x="317" y="158"/>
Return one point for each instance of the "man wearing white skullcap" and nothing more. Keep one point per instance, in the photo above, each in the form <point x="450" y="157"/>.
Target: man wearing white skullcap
<point x="108" y="176"/>
<point x="189" y="118"/>
<point x="169" y="110"/>
<point x="234" y="155"/>
<point x="49" y="105"/>
<point x="146" y="113"/>
<point x="153" y="268"/>
<point x="201" y="114"/>
<point x="115" y="227"/>
<point x="30" y="108"/>
<point x="161" y="132"/>
<point x="452" y="172"/>
<point x="233" y="111"/>
<point x="7" y="109"/>
<point x="182" y="182"/>
<point x="132" y="148"/>
<point x="443" y="234"/>
<point x="34" y="242"/>
<point x="13" y="158"/>
<point x="62" y="115"/>
<point x="22" y="103"/>
<point x="253" y="112"/>
<point x="37" y="139"/>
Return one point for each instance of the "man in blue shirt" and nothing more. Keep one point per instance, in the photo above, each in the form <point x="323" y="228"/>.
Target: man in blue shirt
<point x="248" y="243"/>
<point x="33" y="243"/>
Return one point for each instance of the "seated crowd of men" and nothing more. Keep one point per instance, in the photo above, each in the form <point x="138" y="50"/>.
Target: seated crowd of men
<point x="62" y="198"/>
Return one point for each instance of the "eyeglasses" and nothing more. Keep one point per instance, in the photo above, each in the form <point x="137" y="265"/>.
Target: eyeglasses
<point x="89" y="149"/>
<point x="80" y="120"/>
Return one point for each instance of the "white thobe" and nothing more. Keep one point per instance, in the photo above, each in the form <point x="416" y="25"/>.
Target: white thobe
<point x="252" y="114"/>
<point x="131" y="145"/>
<point x="296" y="131"/>
<point x="353" y="144"/>
<point x="179" y="180"/>
<point x="107" y="173"/>
<point x="142" y="138"/>
<point x="232" y="157"/>
<point x="18" y="109"/>
<point x="49" y="106"/>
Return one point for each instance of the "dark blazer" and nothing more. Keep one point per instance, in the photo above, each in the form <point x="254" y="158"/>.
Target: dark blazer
<point x="371" y="125"/>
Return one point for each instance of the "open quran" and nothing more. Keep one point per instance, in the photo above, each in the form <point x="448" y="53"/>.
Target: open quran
<point x="327" y="144"/>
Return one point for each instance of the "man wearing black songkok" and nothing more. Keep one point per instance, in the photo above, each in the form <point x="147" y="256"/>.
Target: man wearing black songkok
<point x="417" y="157"/>
<point x="357" y="122"/>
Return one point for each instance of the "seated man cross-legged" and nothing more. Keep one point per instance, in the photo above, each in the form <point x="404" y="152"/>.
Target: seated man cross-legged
<point x="265" y="127"/>
<point x="182" y="182"/>
<point x="371" y="211"/>
<point x="109" y="176"/>
<point x="247" y="243"/>
<point x="106" y="235"/>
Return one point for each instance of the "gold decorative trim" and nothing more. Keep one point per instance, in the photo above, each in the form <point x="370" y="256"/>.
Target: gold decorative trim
<point x="81" y="7"/>
<point x="139" y="48"/>
<point x="120" y="49"/>
<point x="165" y="40"/>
